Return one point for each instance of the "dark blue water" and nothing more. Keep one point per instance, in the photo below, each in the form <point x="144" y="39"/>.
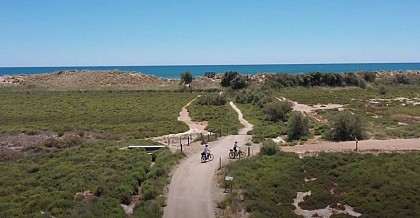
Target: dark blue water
<point x="199" y="70"/>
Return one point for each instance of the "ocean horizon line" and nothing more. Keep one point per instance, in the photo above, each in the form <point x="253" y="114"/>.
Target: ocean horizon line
<point x="174" y="71"/>
<point x="182" y="65"/>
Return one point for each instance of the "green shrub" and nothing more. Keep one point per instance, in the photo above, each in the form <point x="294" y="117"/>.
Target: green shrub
<point x="369" y="76"/>
<point x="277" y="110"/>
<point x="222" y="204"/>
<point x="239" y="82"/>
<point x="347" y="126"/>
<point x="269" y="148"/>
<point x="228" y="77"/>
<point x="297" y="127"/>
<point x="402" y="79"/>
<point x="215" y="100"/>
<point x="382" y="90"/>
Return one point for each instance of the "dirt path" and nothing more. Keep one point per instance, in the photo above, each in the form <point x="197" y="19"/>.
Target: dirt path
<point x="195" y="129"/>
<point x="190" y="191"/>
<point x="391" y="145"/>
<point x="247" y="125"/>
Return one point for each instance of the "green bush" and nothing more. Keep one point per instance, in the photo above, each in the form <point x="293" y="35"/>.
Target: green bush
<point x="239" y="82"/>
<point x="369" y="76"/>
<point x="277" y="110"/>
<point x="346" y="127"/>
<point x="297" y="127"/>
<point x="269" y="148"/>
<point x="382" y="90"/>
<point x="215" y="100"/>
<point x="228" y="77"/>
<point x="402" y="79"/>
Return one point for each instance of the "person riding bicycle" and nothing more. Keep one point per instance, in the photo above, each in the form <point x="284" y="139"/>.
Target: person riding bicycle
<point x="235" y="146"/>
<point x="206" y="151"/>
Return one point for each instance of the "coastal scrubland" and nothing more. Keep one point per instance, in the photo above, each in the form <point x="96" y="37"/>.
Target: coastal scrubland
<point x="79" y="170"/>
<point x="383" y="185"/>
<point x="108" y="114"/>
<point x="391" y="115"/>
<point x="87" y="180"/>
<point x="76" y="168"/>
<point x="388" y="104"/>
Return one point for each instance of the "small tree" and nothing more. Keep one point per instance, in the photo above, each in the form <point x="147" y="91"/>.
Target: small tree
<point x="228" y="77"/>
<point x="369" y="76"/>
<point x="346" y="127"/>
<point x="402" y="79"/>
<point x="186" y="78"/>
<point x="239" y="82"/>
<point x="277" y="110"/>
<point x="297" y="127"/>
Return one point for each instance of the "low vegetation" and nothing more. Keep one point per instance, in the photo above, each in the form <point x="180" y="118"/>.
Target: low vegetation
<point x="67" y="176"/>
<point x="219" y="114"/>
<point x="380" y="185"/>
<point x="385" y="116"/>
<point x="157" y="179"/>
<point x="267" y="183"/>
<point x="383" y="185"/>
<point x="88" y="180"/>
<point x="263" y="128"/>
<point x="49" y="182"/>
<point x="125" y="114"/>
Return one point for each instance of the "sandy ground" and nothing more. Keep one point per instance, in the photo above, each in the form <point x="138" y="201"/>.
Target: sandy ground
<point x="310" y="110"/>
<point x="391" y="145"/>
<point x="190" y="191"/>
<point x="326" y="212"/>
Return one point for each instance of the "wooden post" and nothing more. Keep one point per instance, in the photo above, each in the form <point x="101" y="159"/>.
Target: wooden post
<point x="220" y="135"/>
<point x="169" y="139"/>
<point x="220" y="163"/>
<point x="181" y="147"/>
<point x="180" y="140"/>
<point x="356" y="143"/>
<point x="188" y="139"/>
<point x="249" y="151"/>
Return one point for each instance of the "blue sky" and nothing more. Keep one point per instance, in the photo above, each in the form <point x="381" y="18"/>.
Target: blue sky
<point x="192" y="32"/>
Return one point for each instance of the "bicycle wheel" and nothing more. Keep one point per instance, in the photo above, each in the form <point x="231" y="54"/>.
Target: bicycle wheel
<point x="203" y="158"/>
<point x="211" y="157"/>
<point x="231" y="155"/>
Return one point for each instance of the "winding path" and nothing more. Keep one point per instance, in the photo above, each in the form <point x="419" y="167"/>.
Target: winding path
<point x="195" y="128"/>
<point x="190" y="190"/>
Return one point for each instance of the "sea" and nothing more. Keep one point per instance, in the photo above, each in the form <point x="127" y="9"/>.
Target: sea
<point x="200" y="70"/>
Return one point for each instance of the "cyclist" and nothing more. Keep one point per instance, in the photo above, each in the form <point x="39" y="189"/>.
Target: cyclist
<point x="235" y="148"/>
<point x="206" y="151"/>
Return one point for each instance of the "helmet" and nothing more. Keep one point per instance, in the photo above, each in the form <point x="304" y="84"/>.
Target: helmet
<point x="236" y="142"/>
<point x="207" y="145"/>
